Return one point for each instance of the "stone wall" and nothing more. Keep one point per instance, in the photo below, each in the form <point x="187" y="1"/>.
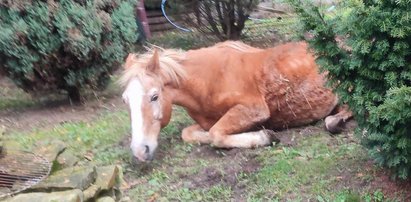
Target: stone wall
<point x="71" y="182"/>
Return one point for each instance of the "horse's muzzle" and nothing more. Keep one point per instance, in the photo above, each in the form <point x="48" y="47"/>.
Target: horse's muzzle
<point x="144" y="153"/>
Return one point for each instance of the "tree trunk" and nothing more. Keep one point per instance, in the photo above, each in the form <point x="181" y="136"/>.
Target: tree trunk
<point x="223" y="18"/>
<point x="74" y="95"/>
<point x="197" y="12"/>
<point x="235" y="34"/>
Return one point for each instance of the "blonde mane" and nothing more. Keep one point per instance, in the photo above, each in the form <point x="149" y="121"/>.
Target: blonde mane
<point x="169" y="65"/>
<point x="237" y="45"/>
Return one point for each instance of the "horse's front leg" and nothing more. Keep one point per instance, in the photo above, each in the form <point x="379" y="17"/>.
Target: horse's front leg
<point x="232" y="130"/>
<point x="195" y="134"/>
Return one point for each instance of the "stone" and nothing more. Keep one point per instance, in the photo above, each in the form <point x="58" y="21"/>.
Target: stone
<point x="67" y="159"/>
<point x="2" y="131"/>
<point x="105" y="199"/>
<point x="122" y="184"/>
<point x="91" y="192"/>
<point x="125" y="199"/>
<point x="63" y="196"/>
<point x="68" y="178"/>
<point x="1" y="146"/>
<point x="106" y="176"/>
<point x="50" y="149"/>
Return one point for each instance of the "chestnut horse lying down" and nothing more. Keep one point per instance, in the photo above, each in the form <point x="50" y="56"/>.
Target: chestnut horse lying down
<point x="234" y="93"/>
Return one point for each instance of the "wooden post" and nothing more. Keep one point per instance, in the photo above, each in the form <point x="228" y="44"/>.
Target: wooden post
<point x="142" y="15"/>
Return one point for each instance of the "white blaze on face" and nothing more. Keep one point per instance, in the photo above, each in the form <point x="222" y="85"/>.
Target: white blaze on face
<point x="133" y="95"/>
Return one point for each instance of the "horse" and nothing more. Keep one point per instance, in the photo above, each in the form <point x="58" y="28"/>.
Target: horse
<point x="236" y="94"/>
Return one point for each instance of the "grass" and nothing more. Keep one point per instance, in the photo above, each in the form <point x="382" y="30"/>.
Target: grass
<point x="97" y="137"/>
<point x="306" y="169"/>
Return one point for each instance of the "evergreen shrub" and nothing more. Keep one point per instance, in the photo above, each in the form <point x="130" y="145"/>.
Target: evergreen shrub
<point x="66" y="45"/>
<point x="366" y="48"/>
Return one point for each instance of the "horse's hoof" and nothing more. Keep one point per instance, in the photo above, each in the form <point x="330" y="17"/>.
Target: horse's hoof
<point x="333" y="124"/>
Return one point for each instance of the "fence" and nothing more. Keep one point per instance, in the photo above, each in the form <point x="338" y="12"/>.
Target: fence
<point x="267" y="25"/>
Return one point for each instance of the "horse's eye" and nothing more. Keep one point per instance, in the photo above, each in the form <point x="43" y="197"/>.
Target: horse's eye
<point x="154" y="98"/>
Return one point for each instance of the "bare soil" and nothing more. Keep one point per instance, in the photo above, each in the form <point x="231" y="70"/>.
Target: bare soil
<point x="389" y="187"/>
<point x="57" y="111"/>
<point x="54" y="113"/>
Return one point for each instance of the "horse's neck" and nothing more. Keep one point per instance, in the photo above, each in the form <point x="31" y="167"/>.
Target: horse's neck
<point x="192" y="91"/>
<point x="201" y="71"/>
<point x="179" y="96"/>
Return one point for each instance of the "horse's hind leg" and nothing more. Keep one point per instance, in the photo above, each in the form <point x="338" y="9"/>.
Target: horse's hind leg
<point x="335" y="123"/>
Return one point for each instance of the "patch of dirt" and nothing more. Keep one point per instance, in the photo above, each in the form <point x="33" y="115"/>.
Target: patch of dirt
<point x="206" y="151"/>
<point x="289" y="137"/>
<point x="366" y="175"/>
<point x="227" y="168"/>
<point x="391" y="189"/>
<point x="354" y="178"/>
<point x="351" y="176"/>
<point x="54" y="112"/>
<point x="227" y="174"/>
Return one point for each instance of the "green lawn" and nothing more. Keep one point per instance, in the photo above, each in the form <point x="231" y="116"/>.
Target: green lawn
<point x="317" y="167"/>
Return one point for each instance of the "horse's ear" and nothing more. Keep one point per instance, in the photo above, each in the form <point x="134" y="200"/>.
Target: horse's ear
<point x="154" y="64"/>
<point x="129" y="60"/>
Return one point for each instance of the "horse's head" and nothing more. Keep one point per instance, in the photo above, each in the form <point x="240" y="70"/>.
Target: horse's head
<point x="150" y="107"/>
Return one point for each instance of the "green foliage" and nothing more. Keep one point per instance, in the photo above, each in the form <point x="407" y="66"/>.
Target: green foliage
<point x="370" y="69"/>
<point x="65" y="44"/>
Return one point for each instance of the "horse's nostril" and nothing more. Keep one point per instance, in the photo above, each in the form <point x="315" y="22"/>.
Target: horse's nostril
<point x="147" y="149"/>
